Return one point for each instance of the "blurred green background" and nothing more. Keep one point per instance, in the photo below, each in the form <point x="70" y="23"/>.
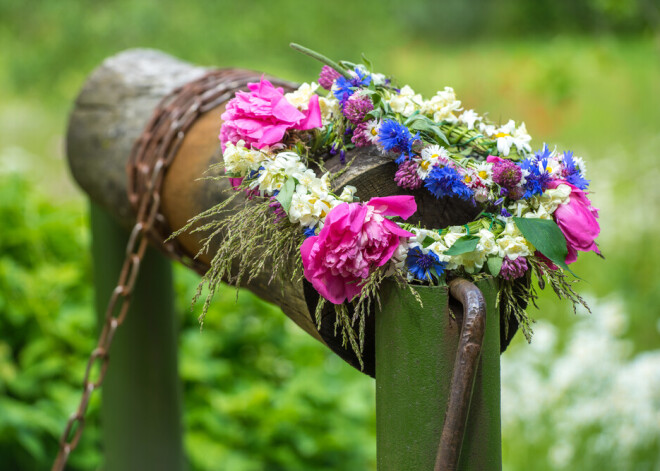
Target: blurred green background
<point x="584" y="75"/>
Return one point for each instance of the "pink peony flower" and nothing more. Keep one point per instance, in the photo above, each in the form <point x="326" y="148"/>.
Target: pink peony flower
<point x="577" y="221"/>
<point x="355" y="238"/>
<point x="235" y="182"/>
<point x="262" y="116"/>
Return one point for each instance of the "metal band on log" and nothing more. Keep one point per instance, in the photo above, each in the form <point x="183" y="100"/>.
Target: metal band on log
<point x="111" y="113"/>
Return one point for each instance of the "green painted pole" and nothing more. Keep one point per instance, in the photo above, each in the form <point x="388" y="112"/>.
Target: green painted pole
<point x="141" y="394"/>
<point x="415" y="352"/>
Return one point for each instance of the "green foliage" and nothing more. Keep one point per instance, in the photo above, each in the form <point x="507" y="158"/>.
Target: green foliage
<point x="262" y="394"/>
<point x="47" y="325"/>
<point x="257" y="390"/>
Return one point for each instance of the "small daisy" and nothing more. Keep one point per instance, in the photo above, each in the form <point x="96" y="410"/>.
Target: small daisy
<point x="431" y="156"/>
<point x="372" y="131"/>
<point x="484" y="171"/>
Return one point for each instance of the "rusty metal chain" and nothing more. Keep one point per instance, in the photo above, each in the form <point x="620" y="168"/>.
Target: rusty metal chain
<point x="150" y="158"/>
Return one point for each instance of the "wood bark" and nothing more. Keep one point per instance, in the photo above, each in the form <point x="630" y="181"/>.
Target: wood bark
<point x="111" y="112"/>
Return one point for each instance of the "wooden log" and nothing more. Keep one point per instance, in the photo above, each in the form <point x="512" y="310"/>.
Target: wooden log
<point x="111" y="112"/>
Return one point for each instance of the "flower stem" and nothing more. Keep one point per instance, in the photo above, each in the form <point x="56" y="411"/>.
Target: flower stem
<point x="321" y="58"/>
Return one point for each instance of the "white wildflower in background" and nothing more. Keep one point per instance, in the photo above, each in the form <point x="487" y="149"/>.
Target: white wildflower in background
<point x="587" y="401"/>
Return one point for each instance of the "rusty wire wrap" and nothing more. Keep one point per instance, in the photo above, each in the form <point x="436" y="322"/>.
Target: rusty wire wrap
<point x="150" y="158"/>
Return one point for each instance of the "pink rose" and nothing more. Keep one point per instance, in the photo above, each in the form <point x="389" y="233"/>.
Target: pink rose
<point x="577" y="220"/>
<point x="262" y="116"/>
<point x="355" y="238"/>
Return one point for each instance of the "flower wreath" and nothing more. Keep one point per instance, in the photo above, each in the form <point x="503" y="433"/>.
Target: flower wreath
<point x="535" y="215"/>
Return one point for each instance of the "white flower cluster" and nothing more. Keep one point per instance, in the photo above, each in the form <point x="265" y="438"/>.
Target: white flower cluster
<point x="312" y="199"/>
<point x="441" y="107"/>
<point x="240" y="161"/>
<point x="301" y="96"/>
<point x="542" y="206"/>
<point x="444" y="106"/>
<point x="507" y="136"/>
<point x="510" y="243"/>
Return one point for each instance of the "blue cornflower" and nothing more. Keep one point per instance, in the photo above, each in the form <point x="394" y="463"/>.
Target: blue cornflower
<point x="310" y="231"/>
<point x="537" y="178"/>
<point x="424" y="266"/>
<point x="572" y="173"/>
<point x="445" y="181"/>
<point x="344" y="88"/>
<point x="395" y="137"/>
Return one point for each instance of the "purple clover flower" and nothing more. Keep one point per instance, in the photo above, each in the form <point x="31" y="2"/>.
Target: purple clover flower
<point x="278" y="210"/>
<point x="328" y="76"/>
<point x="513" y="269"/>
<point x="406" y="176"/>
<point x="506" y="174"/>
<point x="357" y="107"/>
<point x="360" y="136"/>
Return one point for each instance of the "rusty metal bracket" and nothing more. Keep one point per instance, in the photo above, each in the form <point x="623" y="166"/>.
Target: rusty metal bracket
<point x="465" y="369"/>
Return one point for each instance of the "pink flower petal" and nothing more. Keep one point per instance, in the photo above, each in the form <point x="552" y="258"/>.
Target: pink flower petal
<point x="403" y="205"/>
<point x="312" y="117"/>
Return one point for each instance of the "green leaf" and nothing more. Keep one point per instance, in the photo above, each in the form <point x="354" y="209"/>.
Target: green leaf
<point x="465" y="244"/>
<point x="286" y="193"/>
<point x="367" y="62"/>
<point x="546" y="237"/>
<point x="494" y="265"/>
<point x="413" y="117"/>
<point x="428" y="241"/>
<point x="423" y="124"/>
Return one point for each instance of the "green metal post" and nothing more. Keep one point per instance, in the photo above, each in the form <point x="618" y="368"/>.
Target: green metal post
<point x="415" y="352"/>
<point x="141" y="394"/>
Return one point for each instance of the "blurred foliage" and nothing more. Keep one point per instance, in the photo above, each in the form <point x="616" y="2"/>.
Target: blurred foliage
<point x="249" y="359"/>
<point x="45" y="321"/>
<point x="598" y="95"/>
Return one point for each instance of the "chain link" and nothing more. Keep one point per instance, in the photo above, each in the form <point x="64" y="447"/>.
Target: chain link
<point x="150" y="158"/>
